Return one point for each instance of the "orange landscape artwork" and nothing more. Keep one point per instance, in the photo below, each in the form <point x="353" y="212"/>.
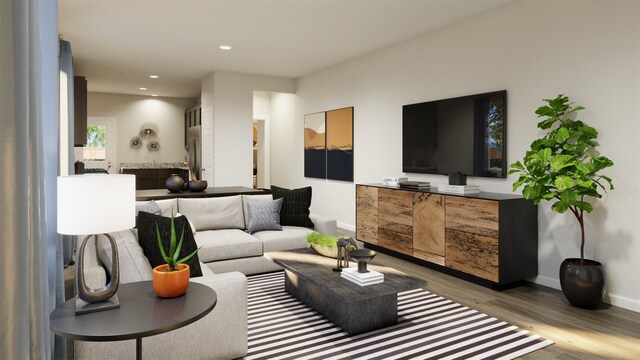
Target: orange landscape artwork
<point x="339" y="129"/>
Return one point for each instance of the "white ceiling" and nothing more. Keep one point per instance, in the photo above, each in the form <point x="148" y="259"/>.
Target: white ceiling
<point x="117" y="44"/>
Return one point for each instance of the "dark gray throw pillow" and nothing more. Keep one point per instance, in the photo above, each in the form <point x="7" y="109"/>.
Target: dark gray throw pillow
<point x="295" y="205"/>
<point x="264" y="215"/>
<point x="146" y="224"/>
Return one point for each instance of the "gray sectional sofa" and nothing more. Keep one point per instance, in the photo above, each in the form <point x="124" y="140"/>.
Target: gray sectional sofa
<point x="228" y="253"/>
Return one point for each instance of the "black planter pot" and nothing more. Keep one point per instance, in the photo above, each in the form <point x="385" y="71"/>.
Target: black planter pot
<point x="582" y="284"/>
<point x="174" y="183"/>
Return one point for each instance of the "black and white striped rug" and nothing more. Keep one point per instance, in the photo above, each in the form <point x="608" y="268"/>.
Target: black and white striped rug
<point x="429" y="327"/>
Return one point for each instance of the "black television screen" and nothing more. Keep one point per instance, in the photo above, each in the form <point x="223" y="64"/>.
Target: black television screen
<point x="464" y="134"/>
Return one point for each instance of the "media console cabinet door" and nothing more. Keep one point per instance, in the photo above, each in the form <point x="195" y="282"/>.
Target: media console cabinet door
<point x="428" y="227"/>
<point x="395" y="220"/>
<point x="472" y="232"/>
<point x="476" y="216"/>
<point x="367" y="214"/>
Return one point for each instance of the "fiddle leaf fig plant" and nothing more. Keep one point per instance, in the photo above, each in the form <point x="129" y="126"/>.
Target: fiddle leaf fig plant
<point x="563" y="166"/>
<point x="171" y="257"/>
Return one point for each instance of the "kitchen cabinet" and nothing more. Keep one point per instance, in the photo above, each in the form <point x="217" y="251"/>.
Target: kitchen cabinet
<point x="154" y="178"/>
<point x="79" y="111"/>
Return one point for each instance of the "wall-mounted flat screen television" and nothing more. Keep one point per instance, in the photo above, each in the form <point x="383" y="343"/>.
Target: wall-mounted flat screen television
<point x="465" y="134"/>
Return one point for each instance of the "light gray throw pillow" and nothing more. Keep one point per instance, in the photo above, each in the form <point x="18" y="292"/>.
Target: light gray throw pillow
<point x="247" y="198"/>
<point x="264" y="215"/>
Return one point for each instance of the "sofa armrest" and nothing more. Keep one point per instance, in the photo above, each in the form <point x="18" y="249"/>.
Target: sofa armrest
<point x="324" y="225"/>
<point x="221" y="334"/>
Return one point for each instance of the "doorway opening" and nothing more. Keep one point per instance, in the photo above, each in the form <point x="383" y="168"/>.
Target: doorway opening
<point x="100" y="153"/>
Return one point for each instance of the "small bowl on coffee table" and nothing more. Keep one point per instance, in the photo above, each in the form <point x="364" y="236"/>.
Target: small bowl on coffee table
<point x="362" y="257"/>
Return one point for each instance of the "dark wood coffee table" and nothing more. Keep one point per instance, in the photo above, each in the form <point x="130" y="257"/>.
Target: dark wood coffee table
<point x="356" y="309"/>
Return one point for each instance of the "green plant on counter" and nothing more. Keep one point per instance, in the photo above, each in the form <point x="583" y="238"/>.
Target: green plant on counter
<point x="174" y="250"/>
<point x="563" y="166"/>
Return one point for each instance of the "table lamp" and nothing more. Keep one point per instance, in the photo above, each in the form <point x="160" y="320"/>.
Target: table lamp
<point x="91" y="205"/>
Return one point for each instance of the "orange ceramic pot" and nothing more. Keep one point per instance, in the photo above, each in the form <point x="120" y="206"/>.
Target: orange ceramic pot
<point x="170" y="284"/>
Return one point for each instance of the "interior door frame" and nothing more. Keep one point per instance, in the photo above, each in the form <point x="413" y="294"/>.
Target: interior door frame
<point x="112" y="143"/>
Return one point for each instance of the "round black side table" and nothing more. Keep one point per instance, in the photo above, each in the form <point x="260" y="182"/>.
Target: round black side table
<point x="141" y="313"/>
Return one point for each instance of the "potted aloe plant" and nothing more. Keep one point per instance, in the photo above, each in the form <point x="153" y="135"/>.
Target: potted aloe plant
<point x="171" y="279"/>
<point x="563" y="167"/>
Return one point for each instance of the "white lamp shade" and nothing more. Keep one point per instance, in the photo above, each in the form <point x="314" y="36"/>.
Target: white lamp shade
<point x="96" y="204"/>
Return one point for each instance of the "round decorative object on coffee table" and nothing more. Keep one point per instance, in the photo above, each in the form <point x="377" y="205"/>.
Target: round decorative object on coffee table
<point x="362" y="256"/>
<point x="174" y="183"/>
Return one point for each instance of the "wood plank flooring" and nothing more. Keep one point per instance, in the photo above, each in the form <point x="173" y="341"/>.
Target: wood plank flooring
<point x="607" y="332"/>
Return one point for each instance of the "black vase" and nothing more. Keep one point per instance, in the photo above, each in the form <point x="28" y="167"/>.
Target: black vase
<point x="582" y="284"/>
<point x="174" y="183"/>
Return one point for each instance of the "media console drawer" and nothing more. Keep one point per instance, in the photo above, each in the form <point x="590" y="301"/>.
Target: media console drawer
<point x="489" y="237"/>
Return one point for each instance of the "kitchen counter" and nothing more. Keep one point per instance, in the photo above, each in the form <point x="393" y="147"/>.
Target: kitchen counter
<point x="159" y="194"/>
<point x="154" y="165"/>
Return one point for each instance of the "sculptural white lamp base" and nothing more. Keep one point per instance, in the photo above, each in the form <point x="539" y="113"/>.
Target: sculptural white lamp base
<point x="96" y="204"/>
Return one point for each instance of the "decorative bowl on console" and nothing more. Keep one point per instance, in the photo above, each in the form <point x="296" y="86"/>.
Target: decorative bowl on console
<point x="197" y="185"/>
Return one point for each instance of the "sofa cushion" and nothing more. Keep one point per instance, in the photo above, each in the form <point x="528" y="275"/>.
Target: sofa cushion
<point x="247" y="198"/>
<point x="295" y="208"/>
<point x="291" y="237"/>
<point x="264" y="215"/>
<point x="148" y="239"/>
<point x="206" y="271"/>
<point x="193" y="227"/>
<point x="214" y="213"/>
<point x="227" y="244"/>
<point x="134" y="266"/>
<point x="165" y="206"/>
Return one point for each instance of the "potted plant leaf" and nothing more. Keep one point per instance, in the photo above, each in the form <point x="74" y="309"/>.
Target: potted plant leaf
<point x="563" y="167"/>
<point x="172" y="279"/>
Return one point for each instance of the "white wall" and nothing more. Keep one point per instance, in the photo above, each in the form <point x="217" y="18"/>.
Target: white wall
<point x="132" y="112"/>
<point x="534" y="50"/>
<point x="231" y="97"/>
<point x="262" y="117"/>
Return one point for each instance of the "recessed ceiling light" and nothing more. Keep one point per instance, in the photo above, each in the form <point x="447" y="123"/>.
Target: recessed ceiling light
<point x="154" y="76"/>
<point x="225" y="47"/>
<point x="142" y="88"/>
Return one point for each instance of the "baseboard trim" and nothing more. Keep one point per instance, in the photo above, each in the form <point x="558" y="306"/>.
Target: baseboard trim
<point x="623" y="302"/>
<point x="546" y="281"/>
<point x="613" y="299"/>
<point x="346" y="226"/>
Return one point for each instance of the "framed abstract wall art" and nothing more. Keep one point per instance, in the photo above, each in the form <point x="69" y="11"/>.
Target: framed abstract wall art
<point x="315" y="155"/>
<point x="339" y="130"/>
<point x="328" y="145"/>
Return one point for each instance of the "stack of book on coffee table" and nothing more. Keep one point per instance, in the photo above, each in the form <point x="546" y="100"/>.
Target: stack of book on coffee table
<point x="415" y="185"/>
<point x="459" y="189"/>
<point x="363" y="279"/>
